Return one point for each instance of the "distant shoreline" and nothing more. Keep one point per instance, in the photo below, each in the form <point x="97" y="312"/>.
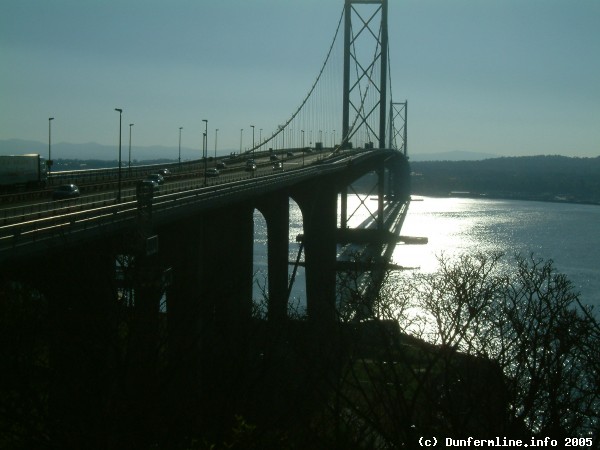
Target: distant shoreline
<point x="486" y="196"/>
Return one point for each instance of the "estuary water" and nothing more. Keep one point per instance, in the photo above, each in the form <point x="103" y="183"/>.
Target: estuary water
<point x="569" y="234"/>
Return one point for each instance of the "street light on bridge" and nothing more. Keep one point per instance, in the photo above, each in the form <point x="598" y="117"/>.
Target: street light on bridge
<point x="129" y="164"/>
<point x="216" y="133"/>
<point x="119" y="171"/>
<point x="205" y="147"/>
<point x="49" y="162"/>
<point x="241" y="134"/>
<point x="303" y="148"/>
<point x="180" y="128"/>
<point x="252" y="126"/>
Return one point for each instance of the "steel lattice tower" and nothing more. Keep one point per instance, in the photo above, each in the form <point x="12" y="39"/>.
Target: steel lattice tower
<point x="398" y="132"/>
<point x="378" y="8"/>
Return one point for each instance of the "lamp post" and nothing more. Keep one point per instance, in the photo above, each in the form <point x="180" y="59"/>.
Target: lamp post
<point x="49" y="162"/>
<point x="119" y="171"/>
<point x="253" y="172"/>
<point x="205" y="147"/>
<point x="129" y="164"/>
<point x="303" y="149"/>
<point x="216" y="133"/>
<point x="260" y="137"/>
<point x="180" y="128"/>
<point x="241" y="134"/>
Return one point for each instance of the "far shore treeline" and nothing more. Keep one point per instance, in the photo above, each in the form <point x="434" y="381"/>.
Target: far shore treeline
<point x="545" y="178"/>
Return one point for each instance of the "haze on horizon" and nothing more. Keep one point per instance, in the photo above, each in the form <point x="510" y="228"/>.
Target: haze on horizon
<point x="510" y="78"/>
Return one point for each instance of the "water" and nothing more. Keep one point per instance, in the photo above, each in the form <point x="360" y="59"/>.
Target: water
<point x="566" y="233"/>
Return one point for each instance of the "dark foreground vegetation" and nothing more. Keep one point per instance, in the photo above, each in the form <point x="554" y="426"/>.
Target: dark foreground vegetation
<point x="489" y="352"/>
<point x="547" y="178"/>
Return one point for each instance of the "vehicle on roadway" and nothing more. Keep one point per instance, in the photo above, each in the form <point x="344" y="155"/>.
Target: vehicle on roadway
<point x="156" y="177"/>
<point x="277" y="166"/>
<point x="250" y="167"/>
<point x="221" y="165"/>
<point x="164" y="172"/>
<point x="28" y="170"/>
<point x="65" y="191"/>
<point x="212" y="172"/>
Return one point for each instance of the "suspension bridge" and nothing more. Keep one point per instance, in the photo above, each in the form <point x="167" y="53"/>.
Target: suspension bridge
<point x="313" y="167"/>
<point x="181" y="258"/>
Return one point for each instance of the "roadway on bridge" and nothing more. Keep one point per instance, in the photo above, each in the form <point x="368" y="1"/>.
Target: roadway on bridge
<point x="28" y="210"/>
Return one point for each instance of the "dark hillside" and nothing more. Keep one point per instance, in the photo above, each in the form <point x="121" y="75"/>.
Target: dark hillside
<point x="548" y="178"/>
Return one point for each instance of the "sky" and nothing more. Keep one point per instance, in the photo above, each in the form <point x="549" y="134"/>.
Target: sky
<point x="503" y="77"/>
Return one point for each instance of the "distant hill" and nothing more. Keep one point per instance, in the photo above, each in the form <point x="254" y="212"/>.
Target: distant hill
<point x="94" y="151"/>
<point x="20" y="147"/>
<point x="451" y="156"/>
<point x="528" y="177"/>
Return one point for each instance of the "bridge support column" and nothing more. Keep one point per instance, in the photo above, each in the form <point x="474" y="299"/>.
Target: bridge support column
<point x="381" y="196"/>
<point x="344" y="209"/>
<point x="209" y="302"/>
<point x="79" y="285"/>
<point x="277" y="216"/>
<point x="180" y="246"/>
<point x="212" y="259"/>
<point x="142" y="370"/>
<point x="228" y="256"/>
<point x="319" y="212"/>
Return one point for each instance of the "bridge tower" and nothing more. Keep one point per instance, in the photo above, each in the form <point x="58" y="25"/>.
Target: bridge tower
<point x="398" y="132"/>
<point x="357" y="86"/>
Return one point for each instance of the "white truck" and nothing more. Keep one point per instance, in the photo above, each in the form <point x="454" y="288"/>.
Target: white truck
<point x="18" y="171"/>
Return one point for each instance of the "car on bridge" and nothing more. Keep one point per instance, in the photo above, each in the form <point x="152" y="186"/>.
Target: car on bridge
<point x="147" y="187"/>
<point x="158" y="178"/>
<point x="250" y="165"/>
<point x="164" y="172"/>
<point x="277" y="166"/>
<point x="221" y="165"/>
<point x="65" y="191"/>
<point x="212" y="172"/>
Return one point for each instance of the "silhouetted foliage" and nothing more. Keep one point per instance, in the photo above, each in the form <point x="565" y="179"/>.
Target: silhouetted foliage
<point x="26" y="375"/>
<point x="511" y="353"/>
<point x="472" y="350"/>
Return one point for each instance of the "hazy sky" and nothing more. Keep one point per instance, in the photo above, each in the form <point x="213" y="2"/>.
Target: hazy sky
<point x="509" y="77"/>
